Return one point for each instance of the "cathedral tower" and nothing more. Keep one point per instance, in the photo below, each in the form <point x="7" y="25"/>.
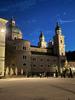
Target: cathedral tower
<point x="59" y="45"/>
<point x="42" y="43"/>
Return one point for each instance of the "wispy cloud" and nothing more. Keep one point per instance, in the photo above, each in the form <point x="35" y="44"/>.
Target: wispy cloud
<point x="66" y="21"/>
<point x="3" y="9"/>
<point x="20" y="6"/>
<point x="48" y="31"/>
<point x="31" y="21"/>
<point x="42" y="0"/>
<point x="59" y="19"/>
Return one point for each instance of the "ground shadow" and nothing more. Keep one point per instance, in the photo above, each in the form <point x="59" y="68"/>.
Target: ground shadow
<point x="62" y="88"/>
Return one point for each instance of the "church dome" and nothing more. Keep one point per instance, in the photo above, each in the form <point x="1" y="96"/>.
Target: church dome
<point x="16" y="30"/>
<point x="13" y="30"/>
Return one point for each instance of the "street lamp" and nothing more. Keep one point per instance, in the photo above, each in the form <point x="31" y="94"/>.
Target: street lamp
<point x="3" y="30"/>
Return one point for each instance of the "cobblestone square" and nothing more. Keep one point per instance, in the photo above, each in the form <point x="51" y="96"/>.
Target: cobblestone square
<point x="37" y="89"/>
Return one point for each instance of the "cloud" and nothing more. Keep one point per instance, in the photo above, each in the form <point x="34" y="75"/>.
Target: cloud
<point x="31" y="21"/>
<point x="20" y="6"/>
<point x="66" y="21"/>
<point x="26" y="4"/>
<point x="64" y="13"/>
<point x="58" y="19"/>
<point x="42" y="0"/>
<point x="3" y="9"/>
<point x="48" y="31"/>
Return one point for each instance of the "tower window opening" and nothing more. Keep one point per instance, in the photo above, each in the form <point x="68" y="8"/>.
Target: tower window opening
<point x="62" y="54"/>
<point x="34" y="59"/>
<point x="24" y="64"/>
<point x="61" y="41"/>
<point x="24" y="48"/>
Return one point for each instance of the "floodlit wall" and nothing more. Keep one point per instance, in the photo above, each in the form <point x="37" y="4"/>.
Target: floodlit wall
<point x="2" y="45"/>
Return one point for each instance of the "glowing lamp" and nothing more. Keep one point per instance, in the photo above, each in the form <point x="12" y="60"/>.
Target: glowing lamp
<point x="3" y="30"/>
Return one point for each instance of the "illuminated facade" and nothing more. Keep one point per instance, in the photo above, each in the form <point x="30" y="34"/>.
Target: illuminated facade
<point x="2" y="45"/>
<point x="22" y="58"/>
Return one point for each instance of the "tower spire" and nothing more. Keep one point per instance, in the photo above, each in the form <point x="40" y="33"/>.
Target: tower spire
<point x="42" y="42"/>
<point x="42" y="38"/>
<point x="57" y="28"/>
<point x="12" y="21"/>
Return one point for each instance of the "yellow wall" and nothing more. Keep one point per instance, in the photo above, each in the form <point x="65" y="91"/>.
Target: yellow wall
<point x="2" y="45"/>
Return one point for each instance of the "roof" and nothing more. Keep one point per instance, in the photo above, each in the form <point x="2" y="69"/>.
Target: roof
<point x="16" y="29"/>
<point x="3" y="21"/>
<point x="41" y="34"/>
<point x="57" y="26"/>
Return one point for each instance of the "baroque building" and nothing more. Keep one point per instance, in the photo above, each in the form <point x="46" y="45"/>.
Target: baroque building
<point x="22" y="58"/>
<point x="2" y="45"/>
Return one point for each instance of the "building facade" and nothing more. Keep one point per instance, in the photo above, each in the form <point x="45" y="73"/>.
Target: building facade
<point x="22" y="58"/>
<point x="2" y="45"/>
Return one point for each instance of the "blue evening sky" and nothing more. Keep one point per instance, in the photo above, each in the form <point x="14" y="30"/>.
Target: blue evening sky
<point x="34" y="16"/>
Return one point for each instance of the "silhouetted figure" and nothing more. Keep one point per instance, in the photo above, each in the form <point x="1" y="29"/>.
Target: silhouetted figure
<point x="71" y="75"/>
<point x="64" y="73"/>
<point x="61" y="75"/>
<point x="56" y="73"/>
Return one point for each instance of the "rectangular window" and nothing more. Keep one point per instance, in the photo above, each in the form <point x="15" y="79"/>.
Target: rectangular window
<point x="13" y="64"/>
<point x="24" y="64"/>
<point x="34" y="59"/>
<point x="41" y="59"/>
<point x="41" y="65"/>
<point x="47" y="59"/>
<point x="48" y="65"/>
<point x="24" y="57"/>
<point x="34" y="65"/>
<point x="54" y="60"/>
